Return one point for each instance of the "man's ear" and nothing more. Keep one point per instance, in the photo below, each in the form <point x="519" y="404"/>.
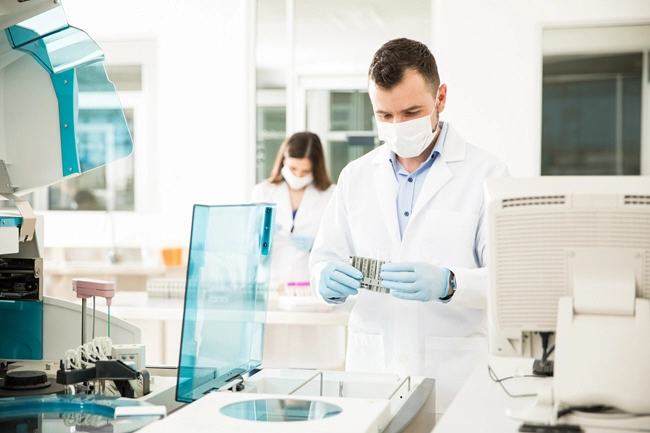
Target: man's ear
<point x="442" y="97"/>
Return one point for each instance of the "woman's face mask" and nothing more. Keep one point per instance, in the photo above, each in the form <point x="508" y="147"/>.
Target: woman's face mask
<point x="300" y="166"/>
<point x="407" y="139"/>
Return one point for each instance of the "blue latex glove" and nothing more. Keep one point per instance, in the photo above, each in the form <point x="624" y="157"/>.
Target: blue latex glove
<point x="338" y="280"/>
<point x="302" y="242"/>
<point x="415" y="281"/>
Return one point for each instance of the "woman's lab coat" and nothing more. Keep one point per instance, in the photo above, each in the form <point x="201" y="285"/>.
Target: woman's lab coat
<point x="288" y="263"/>
<point x="447" y="228"/>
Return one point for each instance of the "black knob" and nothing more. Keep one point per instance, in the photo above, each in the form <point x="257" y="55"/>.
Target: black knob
<point x="25" y="380"/>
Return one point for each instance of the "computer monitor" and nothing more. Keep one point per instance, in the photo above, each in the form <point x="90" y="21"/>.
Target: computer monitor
<point x="571" y="256"/>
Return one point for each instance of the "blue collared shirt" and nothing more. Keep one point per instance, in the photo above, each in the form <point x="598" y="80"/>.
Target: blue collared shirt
<point x="410" y="184"/>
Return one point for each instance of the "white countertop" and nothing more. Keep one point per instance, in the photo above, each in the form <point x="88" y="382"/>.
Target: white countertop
<point x="138" y="305"/>
<point x="483" y="406"/>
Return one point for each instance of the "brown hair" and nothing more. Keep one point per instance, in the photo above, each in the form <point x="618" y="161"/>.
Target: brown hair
<point x="396" y="56"/>
<point x="303" y="145"/>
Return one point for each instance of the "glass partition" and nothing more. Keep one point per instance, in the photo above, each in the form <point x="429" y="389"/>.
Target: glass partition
<point x="226" y="296"/>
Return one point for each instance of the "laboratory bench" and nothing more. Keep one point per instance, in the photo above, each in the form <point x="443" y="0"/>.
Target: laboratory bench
<point x="129" y="268"/>
<point x="301" y="332"/>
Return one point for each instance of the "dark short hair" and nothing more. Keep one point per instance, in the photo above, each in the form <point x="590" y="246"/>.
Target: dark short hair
<point x="396" y="56"/>
<point x="303" y="145"/>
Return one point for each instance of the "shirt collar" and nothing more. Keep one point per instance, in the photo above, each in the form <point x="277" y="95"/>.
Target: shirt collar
<point x="442" y="138"/>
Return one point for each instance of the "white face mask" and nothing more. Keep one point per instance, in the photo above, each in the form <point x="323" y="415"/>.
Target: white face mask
<point x="294" y="181"/>
<point x="407" y="139"/>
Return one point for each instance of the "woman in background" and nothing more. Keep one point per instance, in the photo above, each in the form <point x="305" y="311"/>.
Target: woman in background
<point x="301" y="188"/>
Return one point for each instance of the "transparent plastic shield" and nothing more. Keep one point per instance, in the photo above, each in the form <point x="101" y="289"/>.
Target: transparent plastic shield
<point x="56" y="74"/>
<point x="226" y="296"/>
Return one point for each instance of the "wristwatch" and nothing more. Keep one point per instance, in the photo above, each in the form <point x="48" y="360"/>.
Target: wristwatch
<point x="452" y="287"/>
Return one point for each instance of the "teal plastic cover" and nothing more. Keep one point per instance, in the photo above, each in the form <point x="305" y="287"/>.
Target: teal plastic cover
<point x="26" y="316"/>
<point x="75" y="64"/>
<point x="226" y="296"/>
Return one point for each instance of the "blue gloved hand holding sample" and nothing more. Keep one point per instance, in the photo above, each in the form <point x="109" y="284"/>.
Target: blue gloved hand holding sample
<point x="338" y="280"/>
<point x="302" y="242"/>
<point x="415" y="281"/>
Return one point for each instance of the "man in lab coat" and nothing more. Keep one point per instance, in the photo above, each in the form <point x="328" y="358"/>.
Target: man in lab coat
<point x="417" y="200"/>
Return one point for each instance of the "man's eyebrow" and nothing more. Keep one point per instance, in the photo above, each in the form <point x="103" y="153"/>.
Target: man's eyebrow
<point x="413" y="108"/>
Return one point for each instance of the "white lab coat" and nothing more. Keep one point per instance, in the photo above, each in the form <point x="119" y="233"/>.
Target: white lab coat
<point x="447" y="228"/>
<point x="288" y="263"/>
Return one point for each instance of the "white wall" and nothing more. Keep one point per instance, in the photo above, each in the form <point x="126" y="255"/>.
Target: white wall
<point x="341" y="36"/>
<point x="203" y="97"/>
<point x="490" y="56"/>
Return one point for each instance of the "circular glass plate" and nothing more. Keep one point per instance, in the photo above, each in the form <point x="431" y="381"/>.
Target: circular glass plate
<point x="281" y="410"/>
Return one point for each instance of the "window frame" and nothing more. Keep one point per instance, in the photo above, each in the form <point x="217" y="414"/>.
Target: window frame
<point x="601" y="39"/>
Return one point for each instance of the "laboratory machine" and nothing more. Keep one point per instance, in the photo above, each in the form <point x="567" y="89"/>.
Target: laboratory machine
<point x="223" y="337"/>
<point x="49" y="71"/>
